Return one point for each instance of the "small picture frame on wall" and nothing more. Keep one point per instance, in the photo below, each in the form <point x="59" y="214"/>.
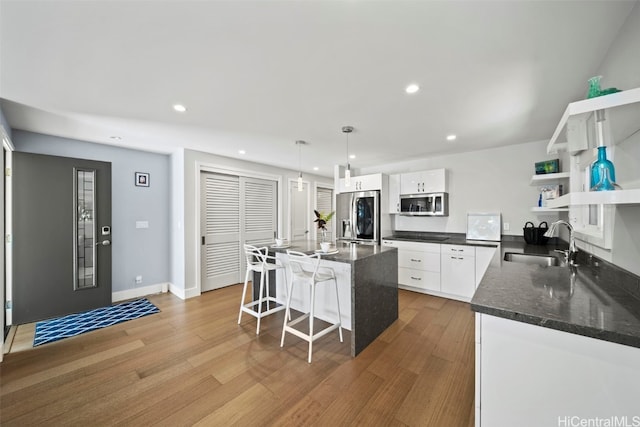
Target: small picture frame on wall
<point x="142" y="179"/>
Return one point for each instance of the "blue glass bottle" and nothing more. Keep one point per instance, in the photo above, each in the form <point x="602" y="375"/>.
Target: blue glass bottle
<point x="601" y="180"/>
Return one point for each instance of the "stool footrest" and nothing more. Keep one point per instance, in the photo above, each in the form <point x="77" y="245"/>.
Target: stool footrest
<point x="247" y="308"/>
<point x="289" y="328"/>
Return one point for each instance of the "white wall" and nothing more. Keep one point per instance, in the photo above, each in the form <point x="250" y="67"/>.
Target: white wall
<point x="135" y="252"/>
<point x="176" y="222"/>
<point x="621" y="69"/>
<point x="193" y="160"/>
<point x="492" y="180"/>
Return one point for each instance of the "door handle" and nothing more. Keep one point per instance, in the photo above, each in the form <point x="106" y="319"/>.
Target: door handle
<point x="104" y="243"/>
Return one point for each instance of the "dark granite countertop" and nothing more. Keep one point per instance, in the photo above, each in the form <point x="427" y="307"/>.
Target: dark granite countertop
<point x="595" y="299"/>
<point x="347" y="252"/>
<point x="444" y="238"/>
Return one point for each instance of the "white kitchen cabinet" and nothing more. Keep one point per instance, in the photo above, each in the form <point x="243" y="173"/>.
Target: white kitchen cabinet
<point x="536" y="376"/>
<point x="431" y="181"/>
<point x="362" y="183"/>
<point x="394" y="193"/>
<point x="418" y="265"/>
<point x="458" y="270"/>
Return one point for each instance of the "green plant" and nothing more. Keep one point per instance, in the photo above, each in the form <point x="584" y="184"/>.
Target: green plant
<point x="322" y="219"/>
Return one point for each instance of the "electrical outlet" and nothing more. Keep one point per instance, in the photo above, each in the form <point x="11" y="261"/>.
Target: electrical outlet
<point x="505" y="226"/>
<point x="138" y="280"/>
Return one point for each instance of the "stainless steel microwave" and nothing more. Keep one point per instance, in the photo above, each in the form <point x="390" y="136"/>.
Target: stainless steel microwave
<point x="432" y="204"/>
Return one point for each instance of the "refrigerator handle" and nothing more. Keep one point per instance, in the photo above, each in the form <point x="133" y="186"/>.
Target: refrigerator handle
<point x="354" y="218"/>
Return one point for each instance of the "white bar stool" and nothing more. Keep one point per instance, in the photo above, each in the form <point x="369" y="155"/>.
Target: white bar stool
<point x="306" y="268"/>
<point x="257" y="262"/>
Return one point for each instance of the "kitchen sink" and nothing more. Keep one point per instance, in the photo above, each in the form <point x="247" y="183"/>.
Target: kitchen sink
<point x="534" y="259"/>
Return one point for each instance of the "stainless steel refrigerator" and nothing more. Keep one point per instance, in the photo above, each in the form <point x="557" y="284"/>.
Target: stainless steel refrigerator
<point x="358" y="217"/>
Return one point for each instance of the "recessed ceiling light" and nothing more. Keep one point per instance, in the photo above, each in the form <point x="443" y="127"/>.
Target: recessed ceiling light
<point x="116" y="137"/>
<point x="242" y="152"/>
<point x="412" y="88"/>
<point x="352" y="156"/>
<point x="179" y="108"/>
<point x="315" y="168"/>
<point x="451" y="137"/>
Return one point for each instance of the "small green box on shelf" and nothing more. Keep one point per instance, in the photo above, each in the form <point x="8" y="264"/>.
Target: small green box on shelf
<point x="548" y="166"/>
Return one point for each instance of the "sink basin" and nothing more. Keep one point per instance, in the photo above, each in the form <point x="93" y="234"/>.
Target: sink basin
<point x="535" y="259"/>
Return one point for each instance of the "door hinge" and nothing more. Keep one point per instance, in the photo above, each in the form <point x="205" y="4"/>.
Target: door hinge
<point x="202" y="240"/>
<point x="7" y="171"/>
<point x="8" y="305"/>
<point x="7" y="238"/>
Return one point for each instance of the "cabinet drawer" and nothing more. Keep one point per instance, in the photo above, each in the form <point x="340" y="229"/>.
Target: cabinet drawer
<point x="419" y="260"/>
<point x="419" y="278"/>
<point x="456" y="250"/>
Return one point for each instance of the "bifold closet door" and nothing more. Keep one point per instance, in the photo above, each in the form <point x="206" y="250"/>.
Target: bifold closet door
<point x="220" y="230"/>
<point x="234" y="210"/>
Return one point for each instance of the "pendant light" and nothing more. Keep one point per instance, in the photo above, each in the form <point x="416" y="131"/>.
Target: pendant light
<point x="347" y="173"/>
<point x="300" y="143"/>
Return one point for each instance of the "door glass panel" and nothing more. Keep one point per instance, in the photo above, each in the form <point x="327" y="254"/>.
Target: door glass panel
<point x="85" y="230"/>
<point x="364" y="217"/>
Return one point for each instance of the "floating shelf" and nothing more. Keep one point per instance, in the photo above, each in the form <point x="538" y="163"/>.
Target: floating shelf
<point x="548" y="210"/>
<point x="582" y="109"/>
<point x="547" y="177"/>
<point x="617" y="197"/>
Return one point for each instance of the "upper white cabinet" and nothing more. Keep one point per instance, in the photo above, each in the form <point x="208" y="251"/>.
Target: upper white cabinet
<point x="394" y="193"/>
<point x="431" y="181"/>
<point x="362" y="183"/>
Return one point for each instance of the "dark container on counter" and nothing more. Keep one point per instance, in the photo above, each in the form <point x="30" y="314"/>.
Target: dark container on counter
<point x="535" y="235"/>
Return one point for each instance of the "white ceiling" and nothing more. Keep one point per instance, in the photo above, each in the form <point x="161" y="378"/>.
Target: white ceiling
<point x="259" y="75"/>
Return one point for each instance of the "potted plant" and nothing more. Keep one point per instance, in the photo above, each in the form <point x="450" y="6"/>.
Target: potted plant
<point x="322" y="220"/>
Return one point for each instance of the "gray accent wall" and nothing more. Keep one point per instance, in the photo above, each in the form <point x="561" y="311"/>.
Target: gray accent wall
<point x="136" y="251"/>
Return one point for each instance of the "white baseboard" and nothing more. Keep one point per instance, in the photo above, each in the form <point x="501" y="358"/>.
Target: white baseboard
<point x="140" y="292"/>
<point x="184" y="293"/>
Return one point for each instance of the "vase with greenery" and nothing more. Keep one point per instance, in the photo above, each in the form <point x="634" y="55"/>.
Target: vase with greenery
<point x="322" y="220"/>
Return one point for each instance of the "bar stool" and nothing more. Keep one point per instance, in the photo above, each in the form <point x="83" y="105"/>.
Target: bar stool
<point x="306" y="268"/>
<point x="257" y="262"/>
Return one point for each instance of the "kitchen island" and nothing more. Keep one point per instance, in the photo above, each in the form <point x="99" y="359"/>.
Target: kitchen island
<point x="556" y="345"/>
<point x="367" y="278"/>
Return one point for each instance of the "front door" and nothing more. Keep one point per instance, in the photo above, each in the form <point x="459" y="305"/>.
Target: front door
<point x="61" y="236"/>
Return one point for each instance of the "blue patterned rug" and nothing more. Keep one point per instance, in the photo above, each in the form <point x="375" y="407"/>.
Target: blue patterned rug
<point x="75" y="324"/>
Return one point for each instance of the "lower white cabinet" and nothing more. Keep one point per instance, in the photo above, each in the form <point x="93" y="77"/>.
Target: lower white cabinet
<point x="450" y="271"/>
<point x="536" y="376"/>
<point x="458" y="270"/>
<point x="419" y="265"/>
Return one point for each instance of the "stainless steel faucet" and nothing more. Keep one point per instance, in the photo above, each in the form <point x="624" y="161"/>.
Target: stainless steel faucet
<point x="569" y="255"/>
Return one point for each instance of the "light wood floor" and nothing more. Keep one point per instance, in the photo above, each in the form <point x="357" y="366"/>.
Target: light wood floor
<point x="192" y="364"/>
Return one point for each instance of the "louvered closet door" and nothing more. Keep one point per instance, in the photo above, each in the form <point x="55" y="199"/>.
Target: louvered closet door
<point x="220" y="216"/>
<point x="324" y="203"/>
<point x="259" y="208"/>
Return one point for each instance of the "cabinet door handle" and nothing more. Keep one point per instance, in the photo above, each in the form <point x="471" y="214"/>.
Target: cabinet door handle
<point x="416" y="278"/>
<point x="416" y="260"/>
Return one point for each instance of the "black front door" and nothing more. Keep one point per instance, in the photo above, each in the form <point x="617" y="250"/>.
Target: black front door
<point x="61" y="236"/>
